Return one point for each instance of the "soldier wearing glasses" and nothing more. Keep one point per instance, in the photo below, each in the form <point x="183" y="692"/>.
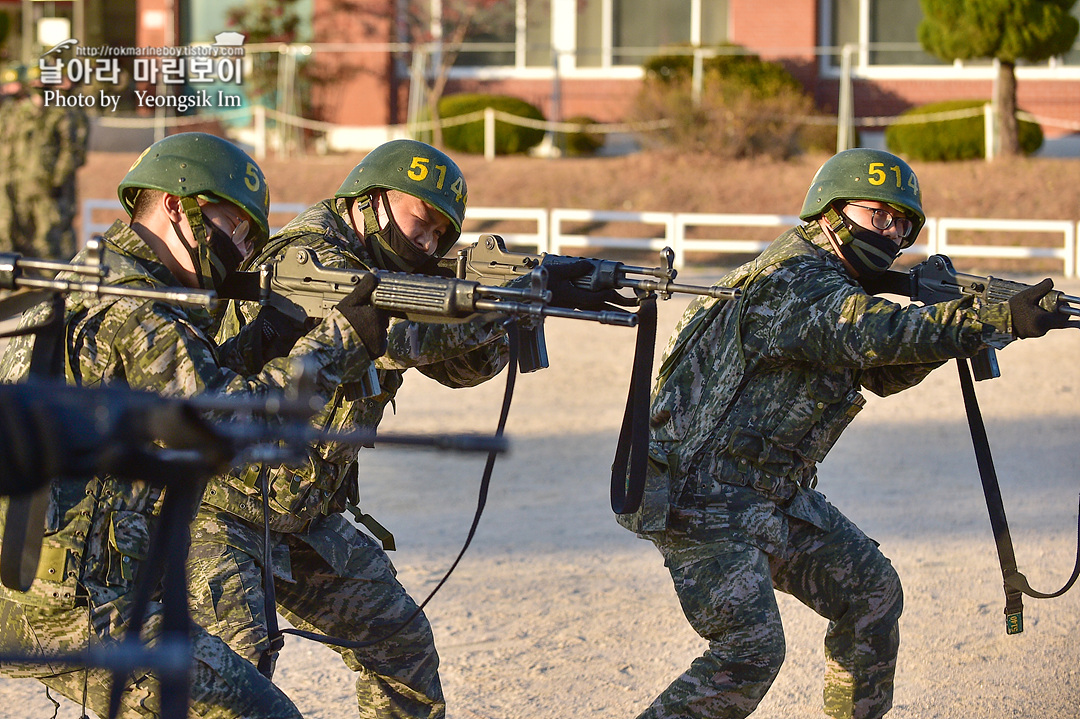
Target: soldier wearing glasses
<point x="751" y="395"/>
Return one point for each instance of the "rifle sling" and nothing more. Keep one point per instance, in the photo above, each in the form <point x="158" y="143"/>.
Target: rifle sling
<point x="24" y="522"/>
<point x="632" y="452"/>
<point x="1015" y="583"/>
<point x="481" y="502"/>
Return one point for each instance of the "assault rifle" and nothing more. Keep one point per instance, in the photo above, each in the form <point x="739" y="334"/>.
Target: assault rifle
<point x="296" y="283"/>
<point x="488" y="260"/>
<point x="50" y="429"/>
<point x="935" y="280"/>
<point x="35" y="279"/>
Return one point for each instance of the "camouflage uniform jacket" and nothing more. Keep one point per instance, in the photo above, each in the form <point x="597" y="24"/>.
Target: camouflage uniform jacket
<point x="454" y="354"/>
<point x="97" y="531"/>
<point x="752" y="394"/>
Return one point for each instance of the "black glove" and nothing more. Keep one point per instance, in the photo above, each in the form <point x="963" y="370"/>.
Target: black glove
<point x="369" y="322"/>
<point x="565" y="294"/>
<point x="276" y="333"/>
<point x="1029" y="318"/>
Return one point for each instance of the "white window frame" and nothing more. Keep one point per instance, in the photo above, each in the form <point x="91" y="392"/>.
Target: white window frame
<point x="958" y="70"/>
<point x="564" y="43"/>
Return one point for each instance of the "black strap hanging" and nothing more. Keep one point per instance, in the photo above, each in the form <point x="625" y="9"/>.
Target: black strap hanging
<point x="24" y="525"/>
<point x="481" y="502"/>
<point x="632" y="452"/>
<point x="1015" y="583"/>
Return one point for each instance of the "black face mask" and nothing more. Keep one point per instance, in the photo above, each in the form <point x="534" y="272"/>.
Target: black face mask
<point x="868" y="252"/>
<point x="390" y="244"/>
<point x="224" y="248"/>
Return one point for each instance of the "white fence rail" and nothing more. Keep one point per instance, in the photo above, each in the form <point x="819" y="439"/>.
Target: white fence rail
<point x="1066" y="252"/>
<point x="113" y="210"/>
<point x="559" y="228"/>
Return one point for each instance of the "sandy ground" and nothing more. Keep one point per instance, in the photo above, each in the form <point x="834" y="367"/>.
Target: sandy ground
<point x="556" y="611"/>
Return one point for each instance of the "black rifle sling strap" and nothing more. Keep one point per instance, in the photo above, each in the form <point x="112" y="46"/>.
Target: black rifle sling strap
<point x="273" y="631"/>
<point x="481" y="502"/>
<point x="1015" y="583"/>
<point x="24" y="523"/>
<point x="632" y="452"/>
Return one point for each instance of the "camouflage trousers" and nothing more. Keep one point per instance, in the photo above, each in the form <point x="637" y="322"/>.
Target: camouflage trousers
<point x="336" y="581"/>
<point x="726" y="589"/>
<point x="223" y="685"/>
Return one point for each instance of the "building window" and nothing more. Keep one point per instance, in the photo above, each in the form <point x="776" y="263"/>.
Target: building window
<point x="887" y="32"/>
<point x="596" y="33"/>
<point x="514" y="34"/>
<point x="627" y="32"/>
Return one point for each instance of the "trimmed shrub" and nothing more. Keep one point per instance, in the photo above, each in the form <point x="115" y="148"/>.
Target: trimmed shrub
<point x="748" y="108"/>
<point x="469" y="137"/>
<point x="944" y="140"/>
<point x="581" y="142"/>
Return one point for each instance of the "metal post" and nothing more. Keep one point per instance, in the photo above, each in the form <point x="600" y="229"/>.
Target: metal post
<point x="489" y="134"/>
<point x="698" y="79"/>
<point x="259" y="115"/>
<point x="845" y="111"/>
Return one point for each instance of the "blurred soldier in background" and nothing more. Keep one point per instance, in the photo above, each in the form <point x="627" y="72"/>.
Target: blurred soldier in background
<point x="43" y="147"/>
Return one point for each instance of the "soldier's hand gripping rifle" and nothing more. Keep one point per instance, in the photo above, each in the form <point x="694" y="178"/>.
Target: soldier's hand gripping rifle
<point x="935" y="280"/>
<point x="488" y="260"/>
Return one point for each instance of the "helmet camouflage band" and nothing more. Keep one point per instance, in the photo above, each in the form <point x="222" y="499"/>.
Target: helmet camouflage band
<point x="417" y="169"/>
<point x="196" y="163"/>
<point x="865" y="174"/>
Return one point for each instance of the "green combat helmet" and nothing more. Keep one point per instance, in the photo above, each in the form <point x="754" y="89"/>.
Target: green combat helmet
<point x="865" y="174"/>
<point x="417" y="169"/>
<point x="196" y="164"/>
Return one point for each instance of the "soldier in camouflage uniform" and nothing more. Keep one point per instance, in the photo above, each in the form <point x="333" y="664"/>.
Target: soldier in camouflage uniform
<point x="198" y="205"/>
<point x="12" y="83"/>
<point x="751" y="395"/>
<point x="400" y="209"/>
<point x="47" y="145"/>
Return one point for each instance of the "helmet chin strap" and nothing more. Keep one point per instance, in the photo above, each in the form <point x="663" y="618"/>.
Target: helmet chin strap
<point x="208" y="269"/>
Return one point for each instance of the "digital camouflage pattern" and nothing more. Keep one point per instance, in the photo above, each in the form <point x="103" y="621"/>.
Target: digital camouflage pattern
<point x="331" y="577"/>
<point x="97" y="532"/>
<point x="41" y="150"/>
<point x="751" y="395"/>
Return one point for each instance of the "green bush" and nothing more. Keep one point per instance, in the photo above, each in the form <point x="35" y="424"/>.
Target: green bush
<point x="580" y="142"/>
<point x="469" y="137"/>
<point x="746" y="70"/>
<point x="960" y="139"/>
<point x="748" y="107"/>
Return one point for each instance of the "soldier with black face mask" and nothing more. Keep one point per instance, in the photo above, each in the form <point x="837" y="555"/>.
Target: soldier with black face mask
<point x="198" y="204"/>
<point x="400" y="209"/>
<point x="751" y="395"/>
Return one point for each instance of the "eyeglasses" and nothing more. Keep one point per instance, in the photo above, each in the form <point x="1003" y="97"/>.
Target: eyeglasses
<point x="883" y="220"/>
